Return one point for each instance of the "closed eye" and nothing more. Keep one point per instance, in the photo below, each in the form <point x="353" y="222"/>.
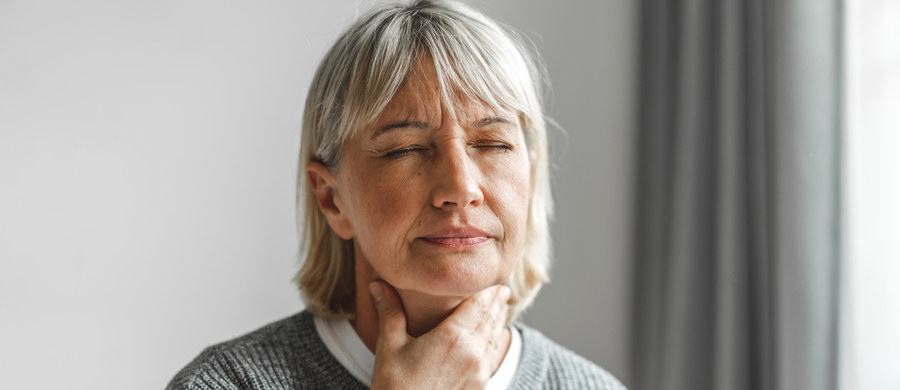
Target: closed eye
<point x="406" y="151"/>
<point x="501" y="146"/>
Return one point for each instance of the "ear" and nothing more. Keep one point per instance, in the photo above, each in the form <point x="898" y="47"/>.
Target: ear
<point x="324" y="185"/>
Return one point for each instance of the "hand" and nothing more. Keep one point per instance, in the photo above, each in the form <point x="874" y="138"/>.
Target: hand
<point x="460" y="353"/>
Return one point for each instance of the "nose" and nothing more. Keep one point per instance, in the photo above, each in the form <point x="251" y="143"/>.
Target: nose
<point x="456" y="179"/>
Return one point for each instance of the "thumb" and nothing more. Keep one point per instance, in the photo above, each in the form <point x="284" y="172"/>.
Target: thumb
<point x="391" y="317"/>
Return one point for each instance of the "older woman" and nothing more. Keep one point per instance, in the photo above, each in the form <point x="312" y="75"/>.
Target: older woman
<point x="426" y="191"/>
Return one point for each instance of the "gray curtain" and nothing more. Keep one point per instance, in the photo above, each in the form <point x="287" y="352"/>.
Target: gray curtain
<point x="738" y="211"/>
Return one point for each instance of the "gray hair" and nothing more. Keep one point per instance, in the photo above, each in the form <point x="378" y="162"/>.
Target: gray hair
<point x="475" y="59"/>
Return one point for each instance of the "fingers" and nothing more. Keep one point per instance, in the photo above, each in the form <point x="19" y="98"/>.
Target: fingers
<point x="494" y="328"/>
<point x="483" y="311"/>
<point x="461" y="352"/>
<point x="494" y="318"/>
<point x="491" y="330"/>
<point x="391" y="317"/>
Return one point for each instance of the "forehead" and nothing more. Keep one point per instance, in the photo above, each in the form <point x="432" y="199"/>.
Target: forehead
<point x="422" y="97"/>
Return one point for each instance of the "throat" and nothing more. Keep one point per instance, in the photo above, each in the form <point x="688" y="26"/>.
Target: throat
<point x="425" y="312"/>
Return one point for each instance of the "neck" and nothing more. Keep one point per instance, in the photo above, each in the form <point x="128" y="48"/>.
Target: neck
<point x="423" y="312"/>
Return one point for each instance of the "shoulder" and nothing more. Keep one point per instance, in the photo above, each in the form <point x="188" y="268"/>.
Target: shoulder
<point x="263" y="359"/>
<point x="546" y="364"/>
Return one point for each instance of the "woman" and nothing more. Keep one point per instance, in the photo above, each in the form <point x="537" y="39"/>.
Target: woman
<point x="425" y="183"/>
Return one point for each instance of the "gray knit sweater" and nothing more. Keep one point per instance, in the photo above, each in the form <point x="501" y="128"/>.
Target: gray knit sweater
<point x="288" y="354"/>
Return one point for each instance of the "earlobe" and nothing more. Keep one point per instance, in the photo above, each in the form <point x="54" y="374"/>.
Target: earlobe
<point x="324" y="186"/>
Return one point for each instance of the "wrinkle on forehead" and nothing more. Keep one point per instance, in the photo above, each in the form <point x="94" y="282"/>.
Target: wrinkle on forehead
<point x="422" y="97"/>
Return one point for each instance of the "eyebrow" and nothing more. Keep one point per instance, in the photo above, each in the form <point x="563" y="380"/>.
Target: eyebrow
<point x="398" y="125"/>
<point x="490" y="120"/>
<point x="422" y="125"/>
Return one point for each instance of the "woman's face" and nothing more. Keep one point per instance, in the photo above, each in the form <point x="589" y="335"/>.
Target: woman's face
<point x="436" y="202"/>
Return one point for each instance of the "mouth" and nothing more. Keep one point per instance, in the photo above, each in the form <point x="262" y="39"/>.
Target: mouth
<point x="457" y="237"/>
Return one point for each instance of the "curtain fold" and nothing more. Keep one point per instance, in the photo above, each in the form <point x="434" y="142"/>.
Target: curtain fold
<point x="738" y="211"/>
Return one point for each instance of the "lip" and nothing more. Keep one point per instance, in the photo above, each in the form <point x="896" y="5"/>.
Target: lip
<point x="457" y="237"/>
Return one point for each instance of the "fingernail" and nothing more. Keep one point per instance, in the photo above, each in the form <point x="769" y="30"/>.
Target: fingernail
<point x="376" y="289"/>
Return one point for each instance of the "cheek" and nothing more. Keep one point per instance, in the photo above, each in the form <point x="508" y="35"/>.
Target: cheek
<point x="513" y="192"/>
<point x="518" y="205"/>
<point x="383" y="209"/>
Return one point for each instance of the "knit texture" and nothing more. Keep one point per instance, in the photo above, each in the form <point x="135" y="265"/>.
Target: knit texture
<point x="288" y="354"/>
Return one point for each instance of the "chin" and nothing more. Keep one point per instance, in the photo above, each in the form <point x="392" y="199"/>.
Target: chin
<point x="453" y="274"/>
<point x="453" y="281"/>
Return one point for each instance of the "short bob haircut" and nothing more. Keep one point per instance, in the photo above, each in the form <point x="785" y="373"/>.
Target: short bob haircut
<point x="475" y="59"/>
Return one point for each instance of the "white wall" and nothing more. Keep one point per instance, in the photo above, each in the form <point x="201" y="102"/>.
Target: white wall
<point x="147" y="162"/>
<point x="870" y="348"/>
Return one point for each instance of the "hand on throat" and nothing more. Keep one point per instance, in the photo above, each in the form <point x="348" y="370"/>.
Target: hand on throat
<point x="423" y="312"/>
